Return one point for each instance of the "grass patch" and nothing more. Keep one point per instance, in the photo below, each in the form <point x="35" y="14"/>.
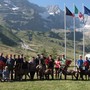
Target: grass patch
<point x="46" y="85"/>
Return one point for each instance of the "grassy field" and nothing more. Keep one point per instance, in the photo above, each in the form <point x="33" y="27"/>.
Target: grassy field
<point x="46" y="85"/>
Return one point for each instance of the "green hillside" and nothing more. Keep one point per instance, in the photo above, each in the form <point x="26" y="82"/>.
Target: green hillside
<point x="51" y="42"/>
<point x="7" y="37"/>
<point x="32" y="42"/>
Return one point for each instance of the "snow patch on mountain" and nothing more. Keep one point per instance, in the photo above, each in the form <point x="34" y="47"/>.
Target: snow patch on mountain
<point x="15" y="8"/>
<point x="53" y="9"/>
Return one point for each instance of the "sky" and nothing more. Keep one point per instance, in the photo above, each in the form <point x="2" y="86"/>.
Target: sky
<point x="69" y="3"/>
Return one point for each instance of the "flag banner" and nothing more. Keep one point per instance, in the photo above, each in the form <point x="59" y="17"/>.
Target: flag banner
<point x="68" y="12"/>
<point x="76" y="10"/>
<point x="81" y="15"/>
<point x="86" y="11"/>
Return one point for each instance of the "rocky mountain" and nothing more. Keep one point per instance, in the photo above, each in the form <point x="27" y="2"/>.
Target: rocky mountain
<point x="23" y="15"/>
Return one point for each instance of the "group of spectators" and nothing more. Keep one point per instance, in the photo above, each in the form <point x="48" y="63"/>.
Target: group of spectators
<point x="83" y="65"/>
<point x="11" y="65"/>
<point x="8" y="64"/>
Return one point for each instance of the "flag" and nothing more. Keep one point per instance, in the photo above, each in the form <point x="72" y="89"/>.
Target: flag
<point x="86" y="11"/>
<point x="68" y="12"/>
<point x="81" y="15"/>
<point x="76" y="10"/>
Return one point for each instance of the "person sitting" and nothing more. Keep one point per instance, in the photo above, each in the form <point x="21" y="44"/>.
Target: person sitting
<point x="6" y="74"/>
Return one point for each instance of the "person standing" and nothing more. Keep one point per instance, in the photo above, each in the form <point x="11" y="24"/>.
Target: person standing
<point x="86" y="64"/>
<point x="42" y="66"/>
<point x="2" y="64"/>
<point x="51" y="65"/>
<point x="1" y="57"/>
<point x="10" y="63"/>
<point x="63" y="59"/>
<point x="80" y="66"/>
<point x="57" y="67"/>
<point x="37" y="64"/>
<point x="15" y="59"/>
<point x="32" y="67"/>
<point x="25" y="67"/>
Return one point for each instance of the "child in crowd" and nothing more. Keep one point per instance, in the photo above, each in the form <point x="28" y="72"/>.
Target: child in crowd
<point x="5" y="74"/>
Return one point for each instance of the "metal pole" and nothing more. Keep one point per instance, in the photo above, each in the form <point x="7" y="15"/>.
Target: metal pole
<point x="74" y="40"/>
<point x="83" y="34"/>
<point x="65" y="29"/>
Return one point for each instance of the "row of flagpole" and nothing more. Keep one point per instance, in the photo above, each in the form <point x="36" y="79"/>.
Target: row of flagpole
<point x="65" y="30"/>
<point x="83" y="34"/>
<point x="68" y="12"/>
<point x="74" y="39"/>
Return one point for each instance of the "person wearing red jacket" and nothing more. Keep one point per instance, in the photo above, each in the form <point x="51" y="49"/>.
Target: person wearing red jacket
<point x="86" y="64"/>
<point x="57" y="67"/>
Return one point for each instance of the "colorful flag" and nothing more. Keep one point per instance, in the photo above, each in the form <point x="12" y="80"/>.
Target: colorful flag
<point x="68" y="12"/>
<point x="76" y="10"/>
<point x="86" y="11"/>
<point x="81" y="15"/>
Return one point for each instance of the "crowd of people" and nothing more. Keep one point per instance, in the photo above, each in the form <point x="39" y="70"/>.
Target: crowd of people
<point x="83" y="66"/>
<point x="13" y="67"/>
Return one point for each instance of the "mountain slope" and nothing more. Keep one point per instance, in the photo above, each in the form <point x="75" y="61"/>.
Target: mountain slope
<point x="49" y="40"/>
<point x="7" y="37"/>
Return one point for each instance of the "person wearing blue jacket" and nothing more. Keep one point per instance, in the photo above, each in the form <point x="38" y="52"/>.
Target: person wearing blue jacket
<point x="80" y="66"/>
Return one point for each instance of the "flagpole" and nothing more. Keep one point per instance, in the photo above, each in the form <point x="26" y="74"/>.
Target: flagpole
<point x="83" y="34"/>
<point x="65" y="28"/>
<point x="74" y="40"/>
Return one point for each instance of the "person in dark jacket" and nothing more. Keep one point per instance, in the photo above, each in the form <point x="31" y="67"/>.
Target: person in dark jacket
<point x="25" y="67"/>
<point x="32" y="67"/>
<point x="51" y="65"/>
<point x="1" y="57"/>
<point x="37" y="63"/>
<point x="10" y="63"/>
